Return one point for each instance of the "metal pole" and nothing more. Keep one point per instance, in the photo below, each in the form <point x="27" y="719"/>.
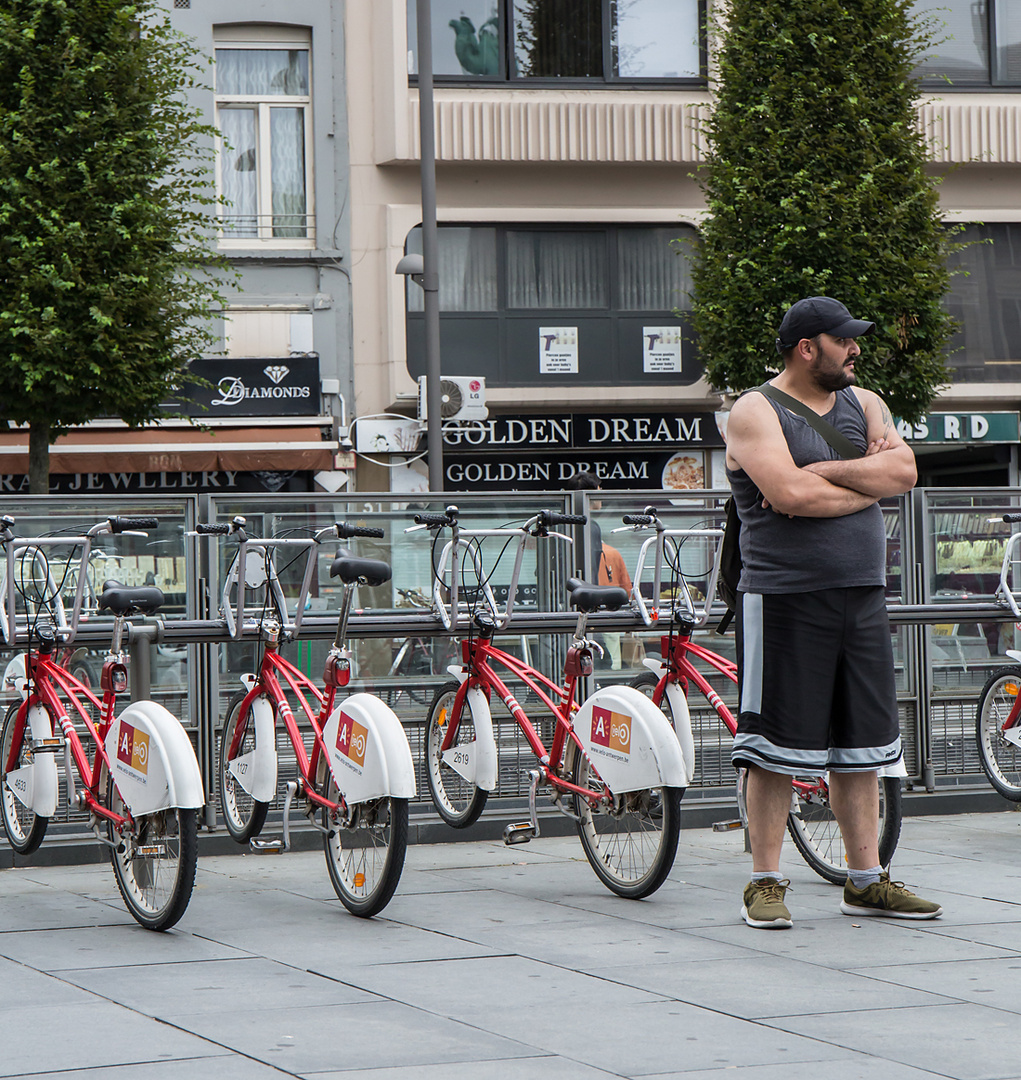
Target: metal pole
<point x="430" y="257"/>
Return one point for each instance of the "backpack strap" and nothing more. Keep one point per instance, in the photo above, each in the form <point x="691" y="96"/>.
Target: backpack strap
<point x="841" y="443"/>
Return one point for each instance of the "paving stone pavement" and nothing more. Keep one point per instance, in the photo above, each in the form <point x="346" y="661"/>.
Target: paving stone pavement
<point x="508" y="963"/>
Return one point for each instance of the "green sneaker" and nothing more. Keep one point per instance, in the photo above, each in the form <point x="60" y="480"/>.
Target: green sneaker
<point x="887" y="898"/>
<point x="763" y="905"/>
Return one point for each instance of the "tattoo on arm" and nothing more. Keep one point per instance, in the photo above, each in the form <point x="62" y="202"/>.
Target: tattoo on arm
<point x="884" y="412"/>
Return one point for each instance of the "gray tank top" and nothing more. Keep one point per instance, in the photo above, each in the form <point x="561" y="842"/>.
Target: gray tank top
<point x="805" y="554"/>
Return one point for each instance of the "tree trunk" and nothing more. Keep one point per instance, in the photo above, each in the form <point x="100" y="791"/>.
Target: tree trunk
<point x="39" y="459"/>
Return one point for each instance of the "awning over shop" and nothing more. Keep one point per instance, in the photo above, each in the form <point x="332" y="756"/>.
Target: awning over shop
<point x="170" y="449"/>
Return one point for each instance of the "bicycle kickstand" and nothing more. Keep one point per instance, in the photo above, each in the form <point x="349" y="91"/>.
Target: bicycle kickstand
<point x="278" y="844"/>
<point x="523" y="831"/>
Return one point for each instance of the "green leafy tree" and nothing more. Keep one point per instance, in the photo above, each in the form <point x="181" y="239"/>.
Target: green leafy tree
<point x="816" y="185"/>
<point x="107" y="284"/>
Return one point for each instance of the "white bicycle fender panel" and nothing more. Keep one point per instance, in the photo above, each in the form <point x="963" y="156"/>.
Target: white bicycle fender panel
<point x="152" y="760"/>
<point x="256" y="771"/>
<point x="476" y="761"/>
<point x="682" y="727"/>
<point x="369" y="752"/>
<point x="1014" y="654"/>
<point x="629" y="740"/>
<point x="14" y="676"/>
<point x="654" y="664"/>
<point x="36" y="785"/>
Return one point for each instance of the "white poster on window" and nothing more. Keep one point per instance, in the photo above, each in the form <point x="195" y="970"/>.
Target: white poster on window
<point x="661" y="349"/>
<point x="558" y="350"/>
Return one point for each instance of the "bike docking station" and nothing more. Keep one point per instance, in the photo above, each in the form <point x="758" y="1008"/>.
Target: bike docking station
<point x="478" y="756"/>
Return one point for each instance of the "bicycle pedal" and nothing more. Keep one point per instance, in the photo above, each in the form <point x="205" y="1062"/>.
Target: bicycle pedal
<point x="728" y="826"/>
<point x="275" y="846"/>
<point x="520" y="833"/>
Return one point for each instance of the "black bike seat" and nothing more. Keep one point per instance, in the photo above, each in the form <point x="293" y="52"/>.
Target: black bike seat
<point x="128" y="600"/>
<point x="590" y="598"/>
<point x="369" y="571"/>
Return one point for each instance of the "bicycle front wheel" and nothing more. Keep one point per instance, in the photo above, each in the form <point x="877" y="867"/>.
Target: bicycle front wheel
<point x="816" y="834"/>
<point x="243" y="815"/>
<point x="154" y="862"/>
<point x="24" y="828"/>
<point x="458" y="801"/>
<point x="1000" y="759"/>
<point x="365" y="851"/>
<point x="631" y="839"/>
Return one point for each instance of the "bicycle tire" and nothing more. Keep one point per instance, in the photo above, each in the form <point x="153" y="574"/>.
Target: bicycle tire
<point x="816" y="835"/>
<point x="243" y="815"/>
<point x="155" y="865"/>
<point x="458" y="801"/>
<point x="647" y="683"/>
<point x="1001" y="760"/>
<point x="25" y="829"/>
<point x="365" y="857"/>
<point x="632" y="845"/>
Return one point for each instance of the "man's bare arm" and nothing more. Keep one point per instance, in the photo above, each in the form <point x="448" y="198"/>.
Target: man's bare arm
<point x="755" y="443"/>
<point x="888" y="468"/>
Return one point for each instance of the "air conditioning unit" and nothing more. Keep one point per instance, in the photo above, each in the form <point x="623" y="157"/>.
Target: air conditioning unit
<point x="462" y="398"/>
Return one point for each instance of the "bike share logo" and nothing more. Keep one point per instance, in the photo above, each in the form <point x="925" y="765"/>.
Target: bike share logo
<point x="351" y="739"/>
<point x="611" y="729"/>
<point x="133" y="748"/>
<point x="233" y="391"/>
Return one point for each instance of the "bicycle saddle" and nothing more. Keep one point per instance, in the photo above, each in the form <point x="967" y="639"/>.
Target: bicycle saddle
<point x="351" y="569"/>
<point x="128" y="600"/>
<point x="590" y="598"/>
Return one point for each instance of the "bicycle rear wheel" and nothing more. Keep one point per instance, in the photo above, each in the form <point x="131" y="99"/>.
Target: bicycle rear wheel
<point x="243" y="815"/>
<point x="25" y="829"/>
<point x="155" y="863"/>
<point x="1000" y="759"/>
<point x="365" y="851"/>
<point x="458" y="801"/>
<point x="814" y="830"/>
<point x="630" y="840"/>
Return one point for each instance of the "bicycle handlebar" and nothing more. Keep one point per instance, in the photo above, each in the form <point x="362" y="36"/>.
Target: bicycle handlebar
<point x="346" y="532"/>
<point x="1011" y="518"/>
<point x="441" y="520"/>
<point x="550" y="517"/>
<point x="123" y="524"/>
<point x="209" y="529"/>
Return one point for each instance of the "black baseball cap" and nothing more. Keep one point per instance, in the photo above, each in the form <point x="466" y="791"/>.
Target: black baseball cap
<point x="819" y="315"/>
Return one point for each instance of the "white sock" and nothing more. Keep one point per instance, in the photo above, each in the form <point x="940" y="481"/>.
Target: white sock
<point x="761" y="875"/>
<point x="861" y="879"/>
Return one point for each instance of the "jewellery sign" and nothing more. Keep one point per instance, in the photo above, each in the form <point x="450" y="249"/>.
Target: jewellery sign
<point x="254" y="387"/>
<point x="540" y="453"/>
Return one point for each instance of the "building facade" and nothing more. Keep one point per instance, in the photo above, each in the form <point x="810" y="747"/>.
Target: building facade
<point x="565" y="138"/>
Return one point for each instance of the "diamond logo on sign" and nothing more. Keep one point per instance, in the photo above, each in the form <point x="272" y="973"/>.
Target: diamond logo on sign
<point x="611" y="729"/>
<point x="276" y="373"/>
<point x="133" y="748"/>
<point x="351" y="739"/>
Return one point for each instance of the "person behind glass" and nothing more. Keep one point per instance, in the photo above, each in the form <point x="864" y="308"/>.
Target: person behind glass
<point x="611" y="569"/>
<point x="815" y="658"/>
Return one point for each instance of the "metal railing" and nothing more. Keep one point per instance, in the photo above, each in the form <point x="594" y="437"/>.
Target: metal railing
<point x="944" y="551"/>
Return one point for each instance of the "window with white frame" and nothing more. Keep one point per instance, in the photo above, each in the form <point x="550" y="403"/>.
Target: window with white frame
<point x="264" y="114"/>
<point x="267" y="332"/>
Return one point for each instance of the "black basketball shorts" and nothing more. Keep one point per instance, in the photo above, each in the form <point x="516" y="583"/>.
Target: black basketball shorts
<point x="816" y="683"/>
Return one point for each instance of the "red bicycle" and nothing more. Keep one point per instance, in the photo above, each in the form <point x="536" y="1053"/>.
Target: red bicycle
<point x="141" y="786"/>
<point x="359" y="774"/>
<point x="811" y="823"/>
<point x="613" y="765"/>
<point x="998" y="720"/>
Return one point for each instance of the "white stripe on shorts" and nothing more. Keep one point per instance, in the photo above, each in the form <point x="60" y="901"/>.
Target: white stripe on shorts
<point x="751" y="672"/>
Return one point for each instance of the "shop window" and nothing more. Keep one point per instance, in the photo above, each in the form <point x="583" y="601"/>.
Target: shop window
<point x="264" y="114"/>
<point x="585" y="305"/>
<point x="584" y="40"/>
<point x="978" y="43"/>
<point x="985" y="298"/>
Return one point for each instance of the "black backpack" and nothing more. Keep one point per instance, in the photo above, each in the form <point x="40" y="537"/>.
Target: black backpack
<point x="730" y="553"/>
